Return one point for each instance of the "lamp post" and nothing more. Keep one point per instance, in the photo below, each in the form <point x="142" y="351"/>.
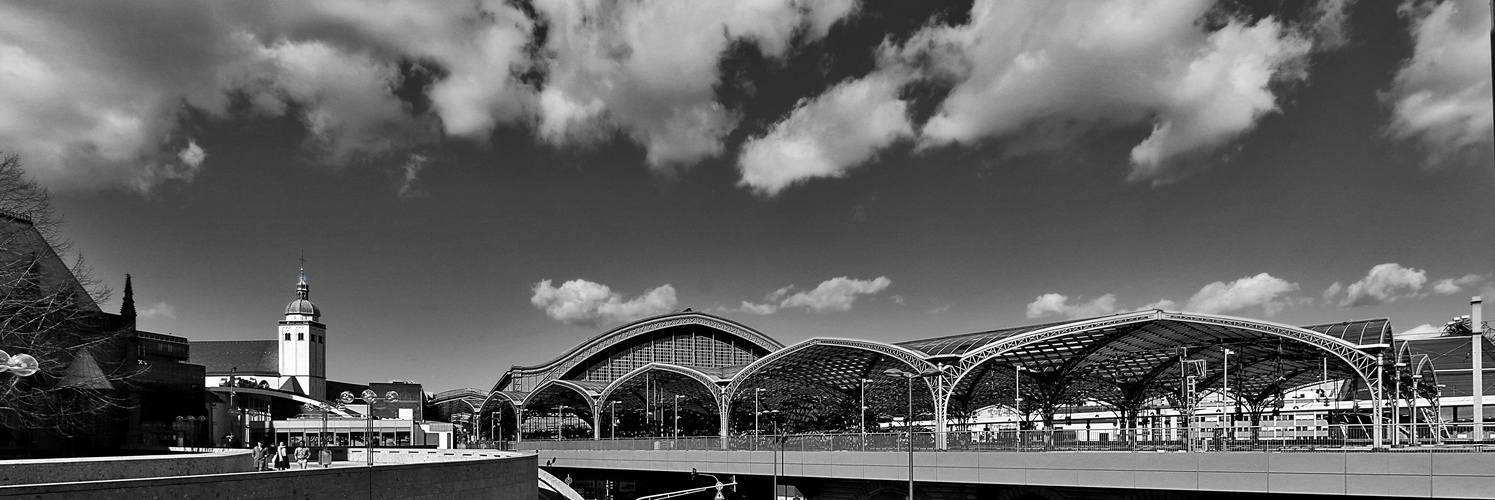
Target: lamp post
<point x="1225" y="394"/>
<point x="1396" y="407"/>
<point x="1017" y="402"/>
<point x="1416" y="382"/>
<point x="676" y="418"/>
<point x="323" y="457"/>
<point x="560" y="421"/>
<point x="614" y="429"/>
<point x="862" y="412"/>
<point x="369" y="397"/>
<point x="757" y="433"/>
<point x="908" y="420"/>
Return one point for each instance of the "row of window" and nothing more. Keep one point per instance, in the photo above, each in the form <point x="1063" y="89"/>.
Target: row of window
<point x="318" y="339"/>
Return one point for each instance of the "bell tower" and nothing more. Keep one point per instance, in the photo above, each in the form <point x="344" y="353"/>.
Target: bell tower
<point x="303" y="344"/>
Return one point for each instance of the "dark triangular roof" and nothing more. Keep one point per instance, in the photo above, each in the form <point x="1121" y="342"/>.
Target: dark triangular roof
<point x="251" y="357"/>
<point x="291" y="385"/>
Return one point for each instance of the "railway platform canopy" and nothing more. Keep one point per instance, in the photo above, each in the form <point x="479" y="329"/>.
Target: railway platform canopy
<point x="696" y="374"/>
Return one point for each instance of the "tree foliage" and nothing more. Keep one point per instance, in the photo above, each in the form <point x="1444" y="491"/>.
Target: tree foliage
<point x="48" y="309"/>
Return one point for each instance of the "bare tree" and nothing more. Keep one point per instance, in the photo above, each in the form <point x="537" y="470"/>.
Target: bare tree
<point x="49" y="310"/>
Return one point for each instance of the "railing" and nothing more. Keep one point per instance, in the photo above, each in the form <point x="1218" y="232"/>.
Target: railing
<point x="487" y="445"/>
<point x="1322" y="437"/>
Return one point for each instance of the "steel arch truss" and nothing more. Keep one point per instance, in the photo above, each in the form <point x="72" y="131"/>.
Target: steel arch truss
<point x="497" y="401"/>
<point x="1130" y="360"/>
<point x="820" y="383"/>
<point x="644" y="400"/>
<point x="601" y="343"/>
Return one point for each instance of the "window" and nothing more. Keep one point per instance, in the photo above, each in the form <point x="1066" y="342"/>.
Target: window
<point x="300" y="336"/>
<point x="288" y="335"/>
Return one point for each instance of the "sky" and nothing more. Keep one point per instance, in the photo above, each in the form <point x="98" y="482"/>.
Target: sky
<point x="477" y="185"/>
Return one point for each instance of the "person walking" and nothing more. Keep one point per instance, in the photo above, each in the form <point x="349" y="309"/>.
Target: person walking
<point x="303" y="454"/>
<point x="282" y="459"/>
<point x="259" y="456"/>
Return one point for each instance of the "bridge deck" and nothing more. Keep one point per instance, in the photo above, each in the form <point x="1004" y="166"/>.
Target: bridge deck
<point x="1424" y="475"/>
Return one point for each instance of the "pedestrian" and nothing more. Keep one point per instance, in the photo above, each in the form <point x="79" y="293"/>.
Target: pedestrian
<point x="259" y="456"/>
<point x="302" y="455"/>
<point x="282" y="459"/>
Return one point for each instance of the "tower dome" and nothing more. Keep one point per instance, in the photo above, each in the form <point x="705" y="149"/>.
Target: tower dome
<point x="302" y="305"/>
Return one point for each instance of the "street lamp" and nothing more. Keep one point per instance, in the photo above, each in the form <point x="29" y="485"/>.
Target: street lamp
<point x="323" y="456"/>
<point x="908" y="420"/>
<point x="757" y="433"/>
<point x="862" y="411"/>
<point x="614" y="405"/>
<point x="677" y="415"/>
<point x="369" y="397"/>
<point x="1017" y="402"/>
<point x="1225" y="393"/>
<point x="20" y="365"/>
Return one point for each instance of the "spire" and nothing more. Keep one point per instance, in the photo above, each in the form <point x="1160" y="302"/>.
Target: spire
<point x="303" y="291"/>
<point x="127" y="308"/>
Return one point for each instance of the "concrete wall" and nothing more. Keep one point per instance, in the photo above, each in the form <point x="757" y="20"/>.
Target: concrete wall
<point x="62" y="470"/>
<point x="1426" y="475"/>
<point x="512" y="478"/>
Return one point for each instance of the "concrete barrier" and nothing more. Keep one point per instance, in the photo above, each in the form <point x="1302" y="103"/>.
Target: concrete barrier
<point x="507" y="478"/>
<point x="66" y="470"/>
<point x="1426" y="475"/>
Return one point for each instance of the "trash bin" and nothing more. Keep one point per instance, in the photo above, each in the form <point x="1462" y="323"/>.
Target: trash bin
<point x="325" y="458"/>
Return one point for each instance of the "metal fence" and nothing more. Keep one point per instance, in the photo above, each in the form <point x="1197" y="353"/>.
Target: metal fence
<point x="1335" y="437"/>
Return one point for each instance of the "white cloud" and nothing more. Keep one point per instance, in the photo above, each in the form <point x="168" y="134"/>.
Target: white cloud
<point x="1332" y="291"/>
<point x="410" y="185"/>
<point x="160" y="310"/>
<point x="1041" y="74"/>
<point x="1441" y="97"/>
<point x="94" y="101"/>
<point x="826" y="136"/>
<point x="1260" y="290"/>
<point x="1053" y="303"/>
<point x="586" y="303"/>
<point x="1164" y="304"/>
<point x="345" y="100"/>
<point x="1423" y="329"/>
<point x="1450" y="286"/>
<point x="759" y="309"/>
<point x="1384" y="284"/>
<point x="648" y="69"/>
<point x="836" y="294"/>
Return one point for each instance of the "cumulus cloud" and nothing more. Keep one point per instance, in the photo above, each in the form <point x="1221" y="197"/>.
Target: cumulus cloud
<point x="1057" y="304"/>
<point x="1164" y="304"/>
<point x="759" y="309"/>
<point x="1441" y="98"/>
<point x="827" y="135"/>
<point x="1384" y="284"/>
<point x="1041" y="74"/>
<point x="95" y="100"/>
<point x="1261" y="290"/>
<point x="1450" y="286"/>
<point x="648" y="69"/>
<point x="835" y="294"/>
<point x="83" y="110"/>
<point x="410" y="185"/>
<point x="160" y="310"/>
<point x="583" y="302"/>
<point x="1423" y="329"/>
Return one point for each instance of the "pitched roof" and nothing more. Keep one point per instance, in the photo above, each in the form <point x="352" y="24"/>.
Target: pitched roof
<point x="250" y="357"/>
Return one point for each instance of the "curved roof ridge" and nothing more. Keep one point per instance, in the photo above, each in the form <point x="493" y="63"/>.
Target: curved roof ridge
<point x="578" y="348"/>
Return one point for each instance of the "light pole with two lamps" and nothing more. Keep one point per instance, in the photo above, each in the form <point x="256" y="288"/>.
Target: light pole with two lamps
<point x="370" y="398"/>
<point x="908" y="420"/>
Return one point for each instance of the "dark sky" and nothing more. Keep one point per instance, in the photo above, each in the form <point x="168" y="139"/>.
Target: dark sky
<point x="476" y="186"/>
